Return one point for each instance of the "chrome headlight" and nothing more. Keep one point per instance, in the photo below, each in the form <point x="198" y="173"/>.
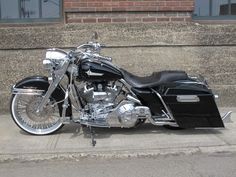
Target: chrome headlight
<point x="48" y="64"/>
<point x="54" y="59"/>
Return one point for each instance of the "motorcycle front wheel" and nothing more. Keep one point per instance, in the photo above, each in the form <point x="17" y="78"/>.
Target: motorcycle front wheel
<point x="23" y="111"/>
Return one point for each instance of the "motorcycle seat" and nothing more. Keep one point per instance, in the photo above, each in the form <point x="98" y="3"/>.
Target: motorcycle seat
<point x="156" y="79"/>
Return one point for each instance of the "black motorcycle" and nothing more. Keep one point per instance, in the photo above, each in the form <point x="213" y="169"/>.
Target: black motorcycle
<point x="86" y="88"/>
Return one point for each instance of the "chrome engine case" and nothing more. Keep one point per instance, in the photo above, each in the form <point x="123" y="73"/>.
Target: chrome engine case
<point x="107" y="94"/>
<point x="104" y="110"/>
<point x="124" y="115"/>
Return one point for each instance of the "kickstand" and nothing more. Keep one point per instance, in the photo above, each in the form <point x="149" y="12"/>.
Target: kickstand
<point x="92" y="133"/>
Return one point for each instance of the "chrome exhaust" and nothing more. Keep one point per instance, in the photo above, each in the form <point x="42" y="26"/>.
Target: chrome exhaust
<point x="161" y="123"/>
<point x="227" y="117"/>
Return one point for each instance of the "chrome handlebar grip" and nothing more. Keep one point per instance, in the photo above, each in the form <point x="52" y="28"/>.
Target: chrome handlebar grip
<point x="94" y="45"/>
<point x="106" y="58"/>
<point x="101" y="57"/>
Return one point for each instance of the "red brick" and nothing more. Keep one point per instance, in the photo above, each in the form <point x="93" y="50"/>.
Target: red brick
<point x="186" y="8"/>
<point x="126" y="6"/>
<point x="187" y="3"/>
<point x="161" y="3"/>
<point x="95" y="4"/>
<point x="128" y="3"/>
<point x="133" y="8"/>
<point x="89" y="20"/>
<point x="133" y="20"/>
<point x="177" y="19"/>
<point x="67" y="5"/>
<point x="119" y="20"/>
<point x="111" y="4"/>
<point x="104" y="20"/>
<point x="149" y="19"/>
<point x="164" y="8"/>
<point x="77" y="20"/>
<point x="151" y="9"/>
<point x="141" y="3"/>
<point x="172" y="3"/>
<point x="119" y="9"/>
<point x="73" y="0"/>
<point x="79" y="4"/>
<point x="163" y="19"/>
<point x="86" y="9"/>
<point x="103" y="9"/>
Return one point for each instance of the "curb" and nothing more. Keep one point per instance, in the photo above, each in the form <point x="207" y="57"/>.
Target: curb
<point x="77" y="156"/>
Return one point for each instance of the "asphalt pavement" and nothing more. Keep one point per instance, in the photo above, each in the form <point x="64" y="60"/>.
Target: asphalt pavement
<point x="73" y="142"/>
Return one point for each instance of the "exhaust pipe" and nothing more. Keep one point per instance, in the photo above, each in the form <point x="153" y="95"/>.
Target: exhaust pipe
<point x="227" y="117"/>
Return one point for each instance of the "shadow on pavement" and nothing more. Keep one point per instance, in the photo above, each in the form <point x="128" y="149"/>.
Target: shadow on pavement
<point x="77" y="130"/>
<point x="145" y="129"/>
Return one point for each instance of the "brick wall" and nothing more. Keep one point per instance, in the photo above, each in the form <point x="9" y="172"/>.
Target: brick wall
<point x="131" y="11"/>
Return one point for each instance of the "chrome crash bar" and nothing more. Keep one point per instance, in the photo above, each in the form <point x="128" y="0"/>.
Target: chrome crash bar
<point x="26" y="91"/>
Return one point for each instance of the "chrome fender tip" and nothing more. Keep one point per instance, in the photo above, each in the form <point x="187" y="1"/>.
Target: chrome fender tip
<point x="227" y="117"/>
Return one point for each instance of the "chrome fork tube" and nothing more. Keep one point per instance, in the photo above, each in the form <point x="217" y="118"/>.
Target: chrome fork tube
<point x="73" y="93"/>
<point x="59" y="74"/>
<point x="74" y="97"/>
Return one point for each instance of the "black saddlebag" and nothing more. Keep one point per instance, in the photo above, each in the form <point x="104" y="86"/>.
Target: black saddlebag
<point x="197" y="110"/>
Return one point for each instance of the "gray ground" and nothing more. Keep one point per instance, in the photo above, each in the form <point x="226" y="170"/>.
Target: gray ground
<point x="145" y="140"/>
<point x="198" y="165"/>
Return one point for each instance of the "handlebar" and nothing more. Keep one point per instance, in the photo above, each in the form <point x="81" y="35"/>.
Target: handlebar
<point x="96" y="47"/>
<point x="102" y="57"/>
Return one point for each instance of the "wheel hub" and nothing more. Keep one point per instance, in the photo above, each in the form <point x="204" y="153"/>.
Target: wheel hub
<point x="42" y="116"/>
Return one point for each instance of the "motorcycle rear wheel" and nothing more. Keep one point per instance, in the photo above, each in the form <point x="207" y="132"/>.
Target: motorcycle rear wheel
<point x="23" y="111"/>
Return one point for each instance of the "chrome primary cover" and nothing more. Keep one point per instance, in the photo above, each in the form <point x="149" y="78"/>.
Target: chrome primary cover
<point x="122" y="116"/>
<point x="125" y="115"/>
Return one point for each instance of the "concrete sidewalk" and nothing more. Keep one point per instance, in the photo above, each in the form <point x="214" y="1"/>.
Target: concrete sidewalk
<point x="147" y="140"/>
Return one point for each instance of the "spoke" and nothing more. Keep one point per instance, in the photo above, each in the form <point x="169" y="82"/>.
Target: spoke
<point x="21" y="110"/>
<point x="21" y="106"/>
<point x="24" y="102"/>
<point x="27" y="117"/>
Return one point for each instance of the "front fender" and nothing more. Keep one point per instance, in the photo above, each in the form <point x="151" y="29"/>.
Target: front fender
<point x="41" y="83"/>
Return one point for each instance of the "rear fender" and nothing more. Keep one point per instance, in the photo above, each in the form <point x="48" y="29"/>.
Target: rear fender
<point x="41" y="83"/>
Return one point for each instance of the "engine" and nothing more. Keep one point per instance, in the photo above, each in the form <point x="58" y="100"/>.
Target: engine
<point x="100" y="92"/>
<point x="107" y="105"/>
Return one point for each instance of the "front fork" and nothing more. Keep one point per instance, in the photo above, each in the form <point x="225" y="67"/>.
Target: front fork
<point x="58" y="76"/>
<point x="70" y="93"/>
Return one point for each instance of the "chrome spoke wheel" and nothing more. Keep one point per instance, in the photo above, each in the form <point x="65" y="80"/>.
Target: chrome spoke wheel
<point x="23" y="109"/>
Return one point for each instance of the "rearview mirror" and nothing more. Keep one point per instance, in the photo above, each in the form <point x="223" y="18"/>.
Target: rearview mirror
<point x="95" y="36"/>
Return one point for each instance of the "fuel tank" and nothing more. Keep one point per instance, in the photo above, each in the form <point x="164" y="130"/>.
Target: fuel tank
<point x="97" y="70"/>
